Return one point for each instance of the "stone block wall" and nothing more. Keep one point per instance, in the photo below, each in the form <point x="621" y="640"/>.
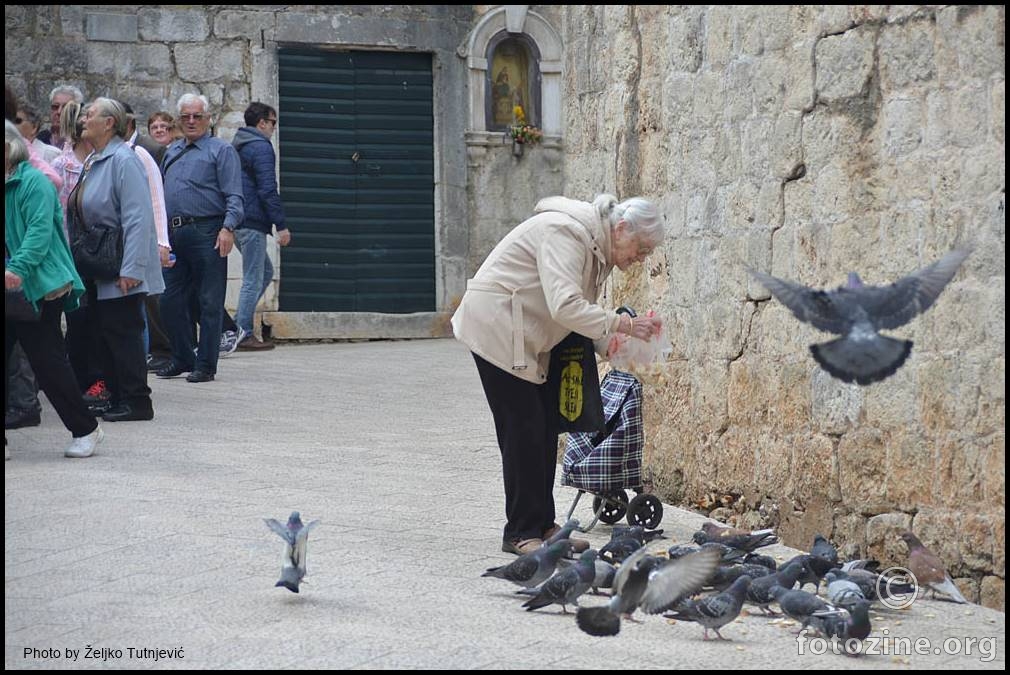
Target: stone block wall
<point x="808" y="142"/>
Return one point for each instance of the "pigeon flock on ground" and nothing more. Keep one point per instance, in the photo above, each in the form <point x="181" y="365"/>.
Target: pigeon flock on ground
<point x="710" y="581"/>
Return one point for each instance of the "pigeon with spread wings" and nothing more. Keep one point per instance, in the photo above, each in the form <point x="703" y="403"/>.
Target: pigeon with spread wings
<point x="858" y="312"/>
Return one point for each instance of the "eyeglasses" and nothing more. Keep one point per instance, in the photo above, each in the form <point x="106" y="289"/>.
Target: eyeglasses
<point x="192" y="117"/>
<point x="273" y="122"/>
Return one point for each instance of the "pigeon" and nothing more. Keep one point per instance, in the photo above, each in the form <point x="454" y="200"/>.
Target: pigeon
<point x="714" y="611"/>
<point x="618" y="550"/>
<point x="858" y="312"/>
<point x="871" y="565"/>
<point x="646" y="581"/>
<point x="564" y="588"/>
<point x="850" y="623"/>
<point x="747" y="543"/>
<point x="725" y="575"/>
<point x="296" y="546"/>
<point x="726" y="554"/>
<point x="801" y="606"/>
<point x="636" y="532"/>
<point x="929" y="570"/>
<point x="715" y="530"/>
<point x="874" y="586"/>
<point x="533" y="568"/>
<point x="814" y="569"/>
<point x="842" y="592"/>
<point x="759" y="591"/>
<point x="763" y="560"/>
<point x="822" y="548"/>
<point x="563" y="533"/>
<point x="605" y="573"/>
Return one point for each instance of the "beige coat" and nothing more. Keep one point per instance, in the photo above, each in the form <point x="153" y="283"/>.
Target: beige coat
<point x="540" y="283"/>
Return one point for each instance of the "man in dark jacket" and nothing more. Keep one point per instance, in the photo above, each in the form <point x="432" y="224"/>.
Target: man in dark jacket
<point x="263" y="211"/>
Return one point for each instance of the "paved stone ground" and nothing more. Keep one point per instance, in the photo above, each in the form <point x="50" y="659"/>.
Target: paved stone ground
<point x="158" y="541"/>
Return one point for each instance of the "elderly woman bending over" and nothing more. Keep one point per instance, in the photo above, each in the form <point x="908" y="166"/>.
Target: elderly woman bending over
<point x="538" y="284"/>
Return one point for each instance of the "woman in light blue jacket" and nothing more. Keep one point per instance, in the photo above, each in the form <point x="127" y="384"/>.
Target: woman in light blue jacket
<point x="114" y="191"/>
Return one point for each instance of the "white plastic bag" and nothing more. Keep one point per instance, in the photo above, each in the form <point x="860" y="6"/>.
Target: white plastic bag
<point x="633" y="355"/>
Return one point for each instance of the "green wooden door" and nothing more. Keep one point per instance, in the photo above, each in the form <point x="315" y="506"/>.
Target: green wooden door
<point x="357" y="181"/>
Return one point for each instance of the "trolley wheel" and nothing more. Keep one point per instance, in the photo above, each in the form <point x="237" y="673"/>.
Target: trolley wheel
<point x="645" y="510"/>
<point x="614" y="505"/>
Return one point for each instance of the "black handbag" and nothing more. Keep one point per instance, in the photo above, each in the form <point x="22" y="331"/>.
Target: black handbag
<point x="98" y="252"/>
<point x="18" y="308"/>
<point x="97" y="249"/>
<point x="573" y="376"/>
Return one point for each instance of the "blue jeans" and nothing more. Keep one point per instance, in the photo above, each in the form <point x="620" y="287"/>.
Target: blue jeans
<point x="257" y="272"/>
<point x="200" y="269"/>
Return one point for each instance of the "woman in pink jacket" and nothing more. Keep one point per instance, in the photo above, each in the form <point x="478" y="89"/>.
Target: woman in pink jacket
<point x="540" y="283"/>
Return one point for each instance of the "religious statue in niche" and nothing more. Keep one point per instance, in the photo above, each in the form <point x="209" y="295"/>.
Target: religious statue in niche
<point x="510" y="86"/>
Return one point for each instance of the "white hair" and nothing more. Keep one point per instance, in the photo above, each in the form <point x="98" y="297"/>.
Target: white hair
<point x="18" y="146"/>
<point x="67" y="89"/>
<point x="641" y="215"/>
<point x="110" y="107"/>
<point x="190" y="99"/>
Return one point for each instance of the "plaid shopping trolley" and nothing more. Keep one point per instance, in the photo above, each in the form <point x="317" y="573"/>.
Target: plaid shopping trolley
<point x="604" y="464"/>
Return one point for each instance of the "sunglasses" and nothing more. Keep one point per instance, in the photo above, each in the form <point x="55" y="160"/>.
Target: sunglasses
<point x="18" y="120"/>
<point x="192" y="117"/>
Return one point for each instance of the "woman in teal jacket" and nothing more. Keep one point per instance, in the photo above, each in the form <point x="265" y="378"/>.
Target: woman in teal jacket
<point x="40" y="264"/>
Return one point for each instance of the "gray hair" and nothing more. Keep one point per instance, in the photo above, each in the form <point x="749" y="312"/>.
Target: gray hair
<point x="641" y="215"/>
<point x="15" y="141"/>
<point x="110" y="107"/>
<point x="190" y="99"/>
<point x="67" y="89"/>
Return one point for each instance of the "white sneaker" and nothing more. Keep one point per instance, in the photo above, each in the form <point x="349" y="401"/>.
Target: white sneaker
<point x="85" y="445"/>
<point x="230" y="340"/>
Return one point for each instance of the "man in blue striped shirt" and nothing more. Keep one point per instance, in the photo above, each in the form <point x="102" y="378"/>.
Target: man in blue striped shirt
<point x="203" y="200"/>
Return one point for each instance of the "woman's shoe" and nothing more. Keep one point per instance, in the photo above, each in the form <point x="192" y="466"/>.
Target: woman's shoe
<point x="85" y="445"/>
<point x="522" y="546"/>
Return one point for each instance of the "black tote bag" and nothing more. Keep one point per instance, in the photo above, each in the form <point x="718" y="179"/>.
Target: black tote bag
<point x="575" y="380"/>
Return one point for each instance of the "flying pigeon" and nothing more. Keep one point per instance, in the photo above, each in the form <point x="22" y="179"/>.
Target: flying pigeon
<point x="296" y="547"/>
<point x="857" y="312"/>
<point x="647" y="582"/>
<point x="929" y="570"/>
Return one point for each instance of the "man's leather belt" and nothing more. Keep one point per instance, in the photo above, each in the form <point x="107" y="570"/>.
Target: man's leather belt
<point x="179" y="221"/>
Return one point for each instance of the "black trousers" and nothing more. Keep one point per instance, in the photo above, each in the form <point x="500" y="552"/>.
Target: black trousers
<point x="84" y="344"/>
<point x="124" y="361"/>
<point x="43" y="344"/>
<point x="525" y="419"/>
